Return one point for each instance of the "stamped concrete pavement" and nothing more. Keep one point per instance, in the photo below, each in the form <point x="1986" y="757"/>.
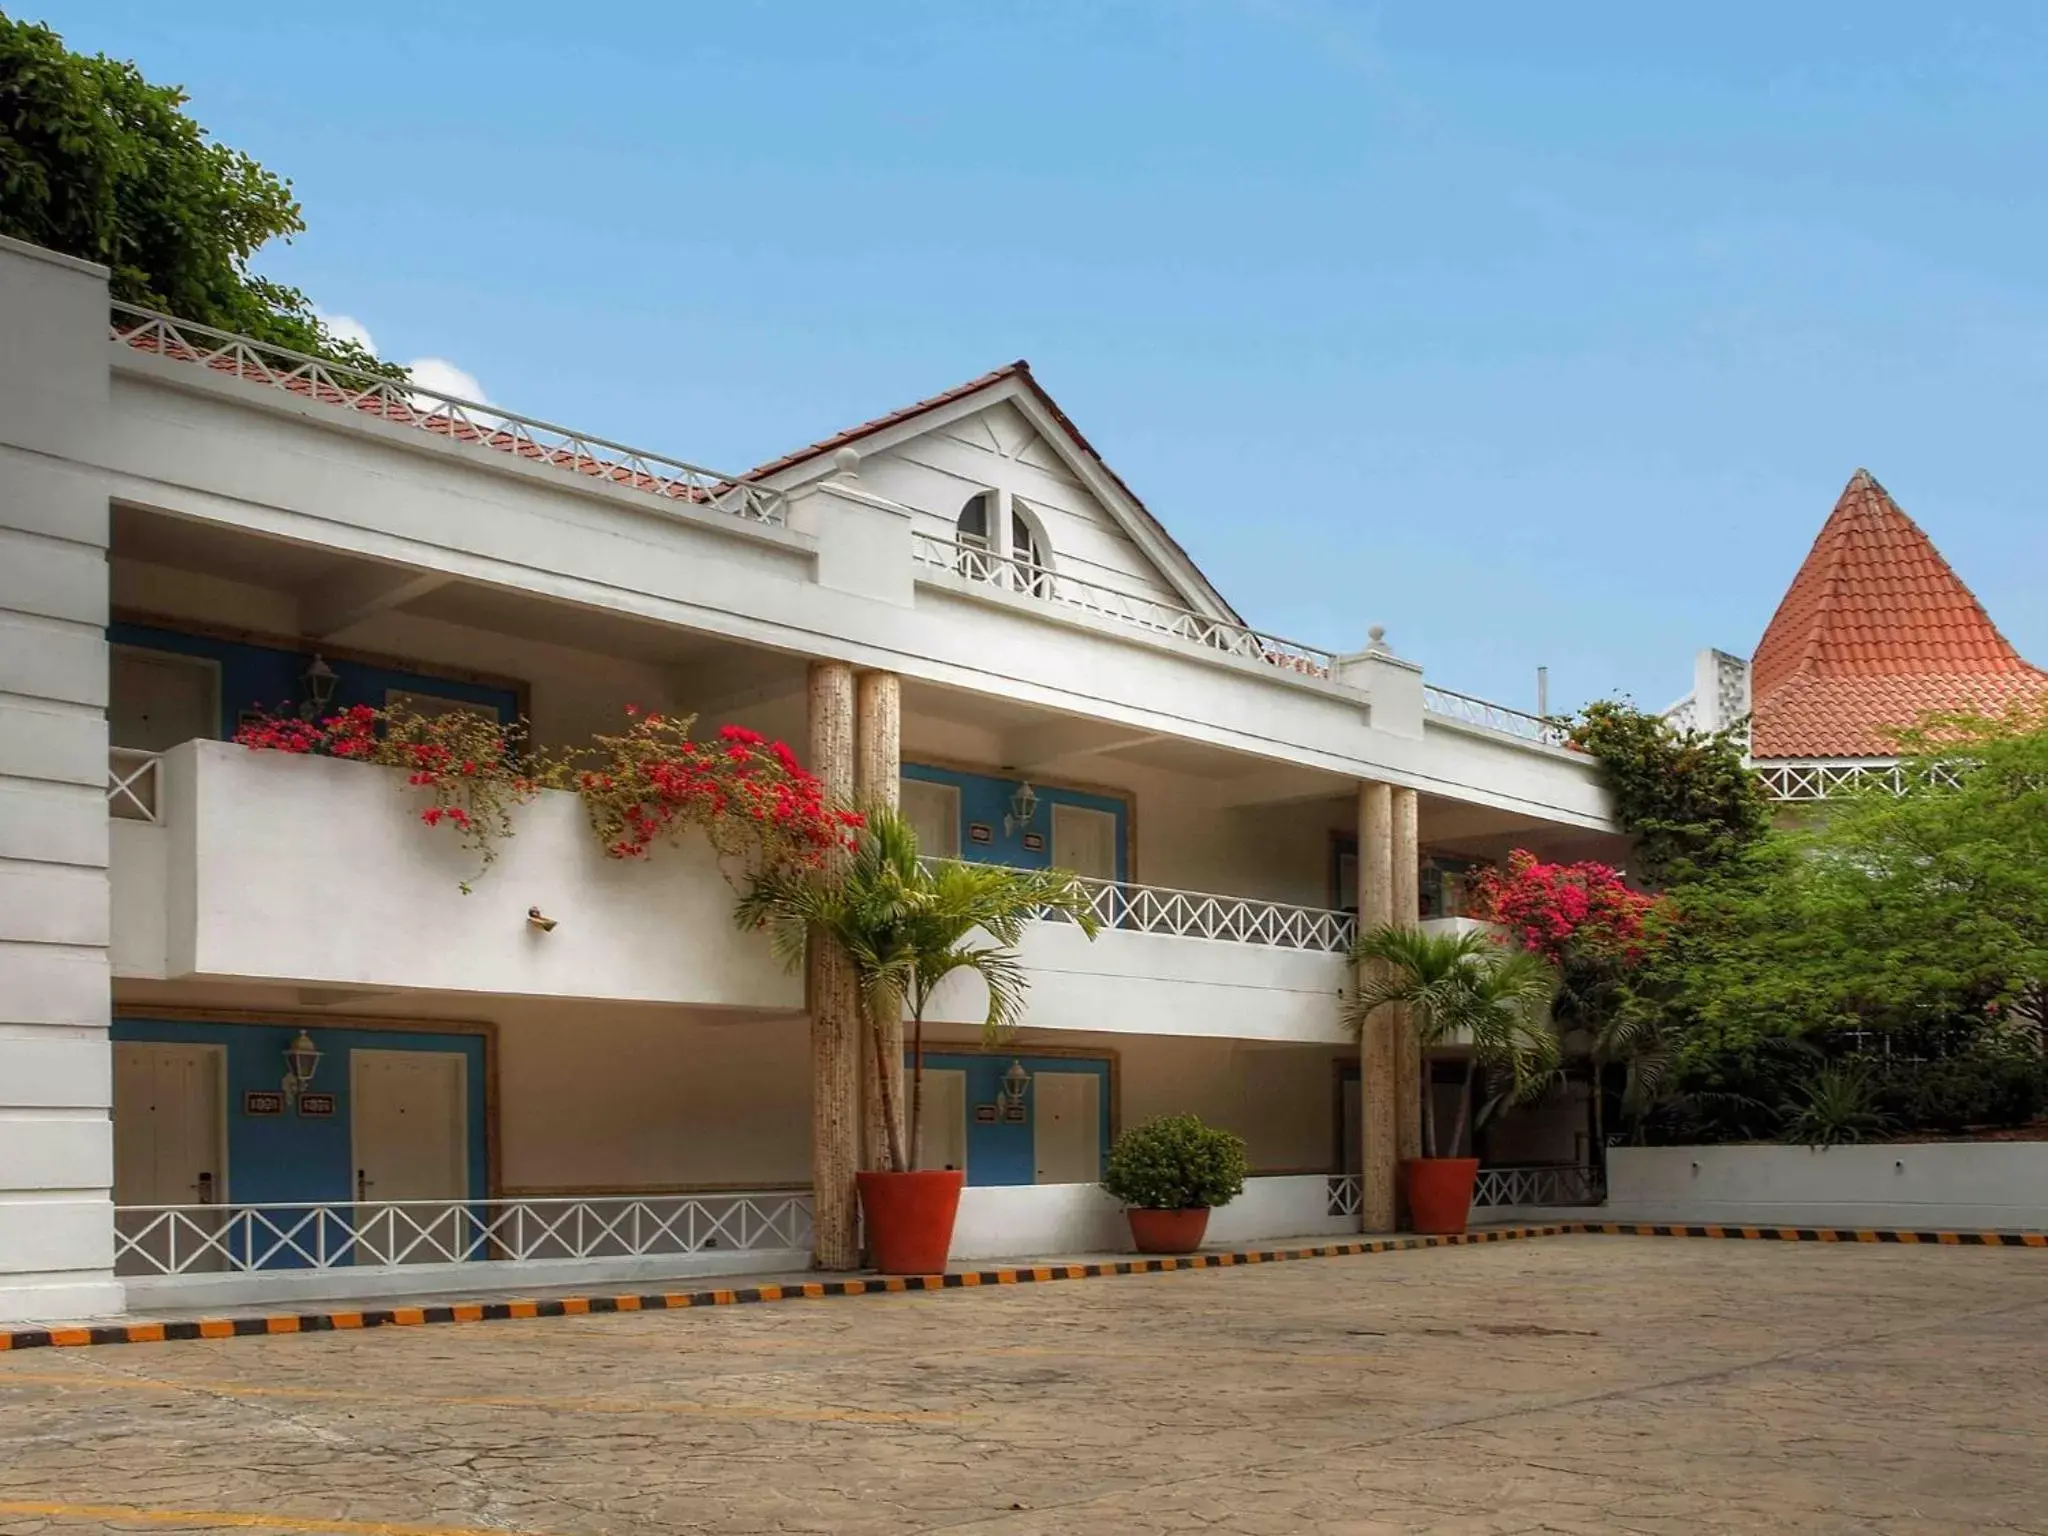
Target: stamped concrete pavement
<point x="1571" y="1384"/>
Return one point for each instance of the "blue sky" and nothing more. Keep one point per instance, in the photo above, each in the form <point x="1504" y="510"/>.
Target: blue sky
<point x="1539" y="334"/>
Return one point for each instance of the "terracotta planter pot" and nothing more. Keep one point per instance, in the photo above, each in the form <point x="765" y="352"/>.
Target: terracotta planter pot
<point x="1440" y="1192"/>
<point x="908" y="1218"/>
<point x="1168" y="1231"/>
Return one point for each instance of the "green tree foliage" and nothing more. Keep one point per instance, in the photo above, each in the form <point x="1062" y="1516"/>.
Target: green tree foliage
<point x="1921" y="918"/>
<point x="97" y="162"/>
<point x="1685" y="796"/>
<point x="1891" y="912"/>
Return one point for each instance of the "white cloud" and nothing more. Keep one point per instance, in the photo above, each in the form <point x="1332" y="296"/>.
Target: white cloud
<point x="444" y="378"/>
<point x="346" y="328"/>
<point x="434" y="375"/>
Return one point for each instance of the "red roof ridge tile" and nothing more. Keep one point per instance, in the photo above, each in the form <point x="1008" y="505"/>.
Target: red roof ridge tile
<point x="888" y="419"/>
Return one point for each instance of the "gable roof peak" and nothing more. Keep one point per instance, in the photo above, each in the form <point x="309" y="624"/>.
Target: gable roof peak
<point x="1177" y="565"/>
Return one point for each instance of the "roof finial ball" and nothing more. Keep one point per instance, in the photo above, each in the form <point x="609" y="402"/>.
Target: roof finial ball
<point x="1376" y="639"/>
<point x="846" y="463"/>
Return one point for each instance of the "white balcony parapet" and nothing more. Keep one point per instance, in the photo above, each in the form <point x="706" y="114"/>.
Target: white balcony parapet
<point x="1801" y="782"/>
<point x="464" y="421"/>
<point x="1537" y="1184"/>
<point x="1027" y="578"/>
<point x="134" y="784"/>
<point x="211" y="1239"/>
<point x="1488" y="716"/>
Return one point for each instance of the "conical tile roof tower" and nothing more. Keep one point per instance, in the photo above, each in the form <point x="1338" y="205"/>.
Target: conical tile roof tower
<point x="1875" y="631"/>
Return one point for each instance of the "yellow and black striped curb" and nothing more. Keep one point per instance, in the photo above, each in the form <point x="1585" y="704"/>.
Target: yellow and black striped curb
<point x="580" y="1306"/>
<point x="1818" y="1234"/>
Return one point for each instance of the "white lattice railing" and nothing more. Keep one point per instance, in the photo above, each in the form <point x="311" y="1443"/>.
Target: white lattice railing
<point x="1233" y="919"/>
<point x="1467" y="710"/>
<point x="1540" y="1184"/>
<point x="134" y="784"/>
<point x="201" y="1239"/>
<point x="1560" y="1184"/>
<point x="465" y="421"/>
<point x="1800" y="782"/>
<point x="1030" y="579"/>
<point x="1347" y="1194"/>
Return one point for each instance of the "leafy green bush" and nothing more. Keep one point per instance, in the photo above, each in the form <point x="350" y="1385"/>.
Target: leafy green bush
<point x="1978" y="1089"/>
<point x="1175" y="1163"/>
<point x="1835" y="1106"/>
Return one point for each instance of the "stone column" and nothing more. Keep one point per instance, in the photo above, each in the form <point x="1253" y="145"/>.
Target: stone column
<point x="834" y="997"/>
<point x="56" y="1069"/>
<point x="1378" y="1066"/>
<point x="878" y="786"/>
<point x="1408" y="1085"/>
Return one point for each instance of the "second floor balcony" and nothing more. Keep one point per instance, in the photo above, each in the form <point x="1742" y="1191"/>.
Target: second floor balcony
<point x="316" y="873"/>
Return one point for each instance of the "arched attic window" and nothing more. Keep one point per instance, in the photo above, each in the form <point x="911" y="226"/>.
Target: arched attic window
<point x="1025" y="566"/>
<point x="1030" y="554"/>
<point x="974" y="534"/>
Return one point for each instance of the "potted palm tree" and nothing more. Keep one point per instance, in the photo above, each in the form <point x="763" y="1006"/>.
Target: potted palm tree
<point x="905" y="924"/>
<point x="1170" y="1173"/>
<point x="1463" y="989"/>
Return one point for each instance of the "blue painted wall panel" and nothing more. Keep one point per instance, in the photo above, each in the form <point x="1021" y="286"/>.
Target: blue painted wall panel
<point x="985" y="799"/>
<point x="291" y="1157"/>
<point x="1002" y="1153"/>
<point x="264" y="678"/>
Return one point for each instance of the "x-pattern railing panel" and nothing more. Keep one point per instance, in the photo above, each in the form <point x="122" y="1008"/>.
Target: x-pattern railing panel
<point x="134" y="784"/>
<point x="1541" y="1184"/>
<point x="1202" y="915"/>
<point x="1485" y="714"/>
<point x="1800" y="782"/>
<point x="192" y="1239"/>
<point x="1347" y="1194"/>
<point x="406" y="403"/>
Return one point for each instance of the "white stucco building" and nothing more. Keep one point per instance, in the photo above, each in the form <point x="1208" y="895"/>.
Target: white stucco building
<point x="188" y="522"/>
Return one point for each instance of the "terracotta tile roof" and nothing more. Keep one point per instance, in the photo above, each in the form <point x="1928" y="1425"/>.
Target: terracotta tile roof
<point x="1021" y="370"/>
<point x="839" y="440"/>
<point x="1875" y="631"/>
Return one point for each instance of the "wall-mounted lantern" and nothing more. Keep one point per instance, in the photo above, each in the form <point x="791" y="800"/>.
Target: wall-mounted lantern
<point x="1015" y="1081"/>
<point x="318" y="681"/>
<point x="1023" y="809"/>
<point x="301" y="1061"/>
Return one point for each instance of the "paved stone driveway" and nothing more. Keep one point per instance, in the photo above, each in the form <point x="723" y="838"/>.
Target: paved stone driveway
<point x="1569" y="1384"/>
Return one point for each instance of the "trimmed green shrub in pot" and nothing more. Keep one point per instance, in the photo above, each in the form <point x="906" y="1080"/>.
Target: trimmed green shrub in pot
<point x="1169" y="1172"/>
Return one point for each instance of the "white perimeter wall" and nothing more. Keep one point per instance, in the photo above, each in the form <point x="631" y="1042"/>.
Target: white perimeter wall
<point x="1934" y="1185"/>
<point x="1044" y="1220"/>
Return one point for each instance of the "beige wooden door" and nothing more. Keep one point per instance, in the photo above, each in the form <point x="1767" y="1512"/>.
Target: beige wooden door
<point x="170" y="1148"/>
<point x="933" y="811"/>
<point x="1066" y="1134"/>
<point x="944" y="1119"/>
<point x="1084" y="841"/>
<point x="156" y="701"/>
<point x="409" y="1126"/>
